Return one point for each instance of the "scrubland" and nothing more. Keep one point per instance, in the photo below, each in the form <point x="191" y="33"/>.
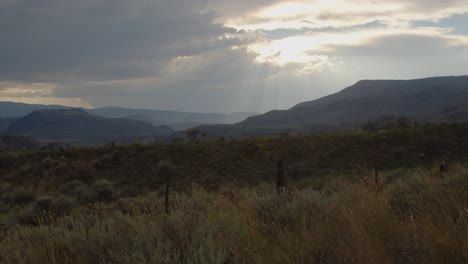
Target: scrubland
<point x="81" y="205"/>
<point x="411" y="217"/>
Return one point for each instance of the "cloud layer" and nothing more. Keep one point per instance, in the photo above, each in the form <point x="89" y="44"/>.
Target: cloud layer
<point x="219" y="55"/>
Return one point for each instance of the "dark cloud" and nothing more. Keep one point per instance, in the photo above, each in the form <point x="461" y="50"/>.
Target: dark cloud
<point x="177" y="54"/>
<point x="212" y="80"/>
<point x="66" y="40"/>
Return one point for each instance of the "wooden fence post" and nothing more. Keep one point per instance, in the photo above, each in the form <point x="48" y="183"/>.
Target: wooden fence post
<point x="100" y="216"/>
<point x="376" y="177"/>
<point x="166" y="195"/>
<point x="165" y="171"/>
<point x="281" y="180"/>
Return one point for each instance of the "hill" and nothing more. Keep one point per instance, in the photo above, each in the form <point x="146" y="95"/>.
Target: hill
<point x="72" y="124"/>
<point x="175" y="119"/>
<point x="439" y="98"/>
<point x="5" y="123"/>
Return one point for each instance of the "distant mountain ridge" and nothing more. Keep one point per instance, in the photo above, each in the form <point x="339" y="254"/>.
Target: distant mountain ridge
<point x="171" y="117"/>
<point x="428" y="99"/>
<point x="438" y="98"/>
<point x="176" y="119"/>
<point x="70" y="124"/>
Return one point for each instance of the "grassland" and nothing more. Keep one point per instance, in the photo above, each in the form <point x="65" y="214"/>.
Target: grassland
<point x="416" y="218"/>
<point x="106" y="204"/>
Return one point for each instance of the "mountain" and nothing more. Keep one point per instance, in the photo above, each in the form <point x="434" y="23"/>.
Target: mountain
<point x="181" y="120"/>
<point x="429" y="99"/>
<point x="439" y="98"/>
<point x="77" y="124"/>
<point x="178" y="120"/>
<point x="5" y="123"/>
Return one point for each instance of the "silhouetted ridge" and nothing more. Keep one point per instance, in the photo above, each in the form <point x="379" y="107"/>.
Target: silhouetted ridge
<point x="76" y="122"/>
<point x="426" y="99"/>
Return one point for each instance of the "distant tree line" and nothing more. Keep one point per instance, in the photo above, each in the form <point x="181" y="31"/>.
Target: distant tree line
<point x="388" y="122"/>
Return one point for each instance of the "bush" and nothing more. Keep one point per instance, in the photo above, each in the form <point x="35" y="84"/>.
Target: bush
<point x="104" y="190"/>
<point x="458" y="182"/>
<point x="413" y="196"/>
<point x="28" y="216"/>
<point x="80" y="171"/>
<point x="43" y="205"/>
<point x="23" y="197"/>
<point x="79" y="190"/>
<point x="62" y="205"/>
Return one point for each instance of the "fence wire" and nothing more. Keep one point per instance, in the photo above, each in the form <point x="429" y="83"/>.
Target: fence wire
<point x="226" y="176"/>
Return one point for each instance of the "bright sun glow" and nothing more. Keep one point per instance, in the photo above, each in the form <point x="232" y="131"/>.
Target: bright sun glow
<point x="288" y="9"/>
<point x="300" y="49"/>
<point x="311" y="47"/>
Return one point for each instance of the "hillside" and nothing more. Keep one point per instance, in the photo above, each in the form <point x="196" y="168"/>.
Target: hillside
<point x="5" y="123"/>
<point x="440" y="98"/>
<point x="175" y="119"/>
<point x="76" y="123"/>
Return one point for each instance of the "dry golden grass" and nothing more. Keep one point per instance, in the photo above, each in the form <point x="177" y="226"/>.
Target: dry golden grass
<point x="412" y="217"/>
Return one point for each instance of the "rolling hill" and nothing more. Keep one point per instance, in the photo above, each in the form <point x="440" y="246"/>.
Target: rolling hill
<point x="429" y="99"/>
<point x="76" y="124"/>
<point x="5" y="123"/>
<point x="175" y="119"/>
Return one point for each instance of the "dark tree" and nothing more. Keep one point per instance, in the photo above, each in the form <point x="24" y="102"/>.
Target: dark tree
<point x="193" y="134"/>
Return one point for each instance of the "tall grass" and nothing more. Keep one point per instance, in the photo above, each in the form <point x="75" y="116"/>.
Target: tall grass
<point x="412" y="217"/>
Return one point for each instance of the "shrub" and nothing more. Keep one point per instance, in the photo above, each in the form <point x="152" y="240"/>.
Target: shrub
<point x="165" y="169"/>
<point x="458" y="182"/>
<point x="79" y="190"/>
<point x="412" y="196"/>
<point x="193" y="134"/>
<point x="62" y="205"/>
<point x="43" y="205"/>
<point x="84" y="194"/>
<point x="27" y="216"/>
<point x="104" y="190"/>
<point x="23" y="197"/>
<point x="79" y="170"/>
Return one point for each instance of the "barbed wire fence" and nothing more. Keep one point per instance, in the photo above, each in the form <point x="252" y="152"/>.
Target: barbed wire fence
<point x="168" y="185"/>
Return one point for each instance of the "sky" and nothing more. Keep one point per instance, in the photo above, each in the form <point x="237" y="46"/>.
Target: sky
<point x="220" y="55"/>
